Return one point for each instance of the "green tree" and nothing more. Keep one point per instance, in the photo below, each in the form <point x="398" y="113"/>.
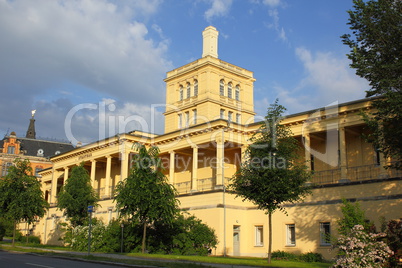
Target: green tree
<point x="376" y="52"/>
<point x="146" y="196"/>
<point x="21" y="196"/>
<point x="272" y="174"/>
<point x="76" y="195"/>
<point x="352" y="215"/>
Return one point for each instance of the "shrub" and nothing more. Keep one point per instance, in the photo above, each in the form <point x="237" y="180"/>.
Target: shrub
<point x="359" y="249"/>
<point x="311" y="257"/>
<point x="283" y="255"/>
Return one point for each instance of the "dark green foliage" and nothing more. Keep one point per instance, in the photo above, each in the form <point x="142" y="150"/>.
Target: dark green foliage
<point x="352" y="215"/>
<point x="376" y="52"/>
<point x="186" y="236"/>
<point x="305" y="257"/>
<point x="146" y="196"/>
<point x="76" y="195"/>
<point x="21" y="196"/>
<point x="394" y="240"/>
<point x="271" y="174"/>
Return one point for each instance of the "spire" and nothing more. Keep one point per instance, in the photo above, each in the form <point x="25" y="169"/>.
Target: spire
<point x="210" y="42"/>
<point x="31" y="134"/>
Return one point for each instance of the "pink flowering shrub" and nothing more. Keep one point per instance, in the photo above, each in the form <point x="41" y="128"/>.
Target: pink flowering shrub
<point x="360" y="249"/>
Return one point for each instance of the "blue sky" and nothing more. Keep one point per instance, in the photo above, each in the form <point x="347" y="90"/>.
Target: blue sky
<point x="56" y="55"/>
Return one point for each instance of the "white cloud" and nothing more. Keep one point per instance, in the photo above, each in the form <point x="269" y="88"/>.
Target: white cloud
<point x="327" y="77"/>
<point x="275" y="25"/>
<point x="100" y="45"/>
<point x="272" y="3"/>
<point x="219" y="8"/>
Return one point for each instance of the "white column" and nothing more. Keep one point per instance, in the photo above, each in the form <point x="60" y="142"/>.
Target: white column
<point x="342" y="155"/>
<point x="307" y="154"/>
<point x="220" y="154"/>
<point x="65" y="175"/>
<point x="108" y="175"/>
<point x="93" y="173"/>
<point x="171" y="167"/>
<point x="54" y="187"/>
<point x="124" y="165"/>
<point x="194" y="175"/>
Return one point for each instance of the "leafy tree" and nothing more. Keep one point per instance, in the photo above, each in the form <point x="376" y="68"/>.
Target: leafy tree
<point x="146" y="196"/>
<point x="76" y="195"/>
<point x="352" y="215"/>
<point x="394" y="240"/>
<point x="21" y="196"/>
<point x="271" y="174"/>
<point x="376" y="52"/>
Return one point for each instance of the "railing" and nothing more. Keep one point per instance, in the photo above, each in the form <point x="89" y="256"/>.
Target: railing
<point x="203" y="185"/>
<point x="354" y="174"/>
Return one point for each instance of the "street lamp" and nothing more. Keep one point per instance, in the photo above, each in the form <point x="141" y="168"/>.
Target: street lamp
<point x="90" y="210"/>
<point x="122" y="237"/>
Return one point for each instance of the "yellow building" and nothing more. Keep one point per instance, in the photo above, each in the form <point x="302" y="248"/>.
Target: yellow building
<point x="208" y="123"/>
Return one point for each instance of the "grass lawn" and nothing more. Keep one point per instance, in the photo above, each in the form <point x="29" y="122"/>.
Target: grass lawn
<point x="162" y="260"/>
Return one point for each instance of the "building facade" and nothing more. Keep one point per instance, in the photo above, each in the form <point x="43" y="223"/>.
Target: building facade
<point x="209" y="120"/>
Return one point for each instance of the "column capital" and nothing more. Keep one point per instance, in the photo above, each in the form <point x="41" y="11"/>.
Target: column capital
<point x="172" y="152"/>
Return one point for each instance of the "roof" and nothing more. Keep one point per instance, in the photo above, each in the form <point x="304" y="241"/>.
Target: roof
<point x="34" y="147"/>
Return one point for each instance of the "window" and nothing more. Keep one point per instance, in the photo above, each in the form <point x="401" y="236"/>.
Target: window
<point x="181" y="93"/>
<point x="195" y="87"/>
<point x="222" y="114"/>
<point x="312" y="162"/>
<point x="194" y="117"/>
<point x="290" y="235"/>
<point x="187" y="118"/>
<point x="230" y="114"/>
<point x="237" y="93"/>
<point x="325" y="233"/>
<point x="6" y="165"/>
<point x="11" y="149"/>
<point x="37" y="170"/>
<point x="230" y="90"/>
<point x="222" y="88"/>
<point x="238" y="118"/>
<point x="180" y="120"/>
<point x="188" y="90"/>
<point x="259" y="236"/>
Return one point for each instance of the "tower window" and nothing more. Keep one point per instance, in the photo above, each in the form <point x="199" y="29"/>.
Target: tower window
<point x="195" y="87"/>
<point x="187" y="118"/>
<point x="222" y="114"/>
<point x="181" y="93"/>
<point x="238" y="118"/>
<point x="230" y="90"/>
<point x="188" y="90"/>
<point x="222" y="88"/>
<point x="180" y="120"/>
<point x="11" y="149"/>
<point x="230" y="116"/>
<point x="194" y="116"/>
<point x="237" y="93"/>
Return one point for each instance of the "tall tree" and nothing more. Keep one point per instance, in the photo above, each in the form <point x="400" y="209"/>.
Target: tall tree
<point x="146" y="196"/>
<point x="21" y="197"/>
<point x="376" y="52"/>
<point x="272" y="174"/>
<point x="76" y="195"/>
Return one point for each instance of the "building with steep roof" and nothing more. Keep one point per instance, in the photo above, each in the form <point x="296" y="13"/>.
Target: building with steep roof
<point x="37" y="151"/>
<point x="209" y="120"/>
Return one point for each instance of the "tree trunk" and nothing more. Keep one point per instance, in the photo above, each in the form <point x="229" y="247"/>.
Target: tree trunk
<point x="15" y="226"/>
<point x="270" y="236"/>
<point x="144" y="235"/>
<point x="27" y="226"/>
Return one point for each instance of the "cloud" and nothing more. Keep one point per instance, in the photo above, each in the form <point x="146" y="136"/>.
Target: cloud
<point x="272" y="3"/>
<point x="327" y="77"/>
<point x="219" y="8"/>
<point x="274" y="14"/>
<point x="99" y="45"/>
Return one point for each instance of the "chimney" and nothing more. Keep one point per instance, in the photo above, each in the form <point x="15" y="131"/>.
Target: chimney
<point x="210" y="42"/>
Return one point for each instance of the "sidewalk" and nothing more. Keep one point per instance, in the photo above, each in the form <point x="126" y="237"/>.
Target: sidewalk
<point x="117" y="257"/>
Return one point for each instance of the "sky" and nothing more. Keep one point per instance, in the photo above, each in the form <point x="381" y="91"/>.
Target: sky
<point x="95" y="68"/>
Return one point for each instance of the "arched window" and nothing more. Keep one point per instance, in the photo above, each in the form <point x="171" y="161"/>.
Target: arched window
<point x="195" y="87"/>
<point x="181" y="93"/>
<point x="230" y="90"/>
<point x="237" y="93"/>
<point x="222" y="88"/>
<point x="188" y="90"/>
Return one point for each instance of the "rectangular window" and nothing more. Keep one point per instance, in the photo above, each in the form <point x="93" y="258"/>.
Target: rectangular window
<point x="180" y="120"/>
<point x="194" y="117"/>
<point x="230" y="115"/>
<point x="290" y="235"/>
<point x="37" y="170"/>
<point x="222" y="114"/>
<point x="195" y="88"/>
<point x="187" y="118"/>
<point x="230" y="90"/>
<point x="188" y="91"/>
<point x="259" y="236"/>
<point x="237" y="93"/>
<point x="325" y="233"/>
<point x="238" y="118"/>
<point x="221" y="88"/>
<point x="11" y="149"/>
<point x="5" y="167"/>
<point x="181" y="93"/>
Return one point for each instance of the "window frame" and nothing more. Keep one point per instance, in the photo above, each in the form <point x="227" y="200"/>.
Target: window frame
<point x="188" y="89"/>
<point x="259" y="235"/>
<point x="222" y="87"/>
<point x="180" y="123"/>
<point x="324" y="240"/>
<point x="291" y="235"/>
<point x="181" y="93"/>
<point x="230" y="90"/>
<point x="237" y="93"/>
<point x="222" y="114"/>
<point x="196" y="87"/>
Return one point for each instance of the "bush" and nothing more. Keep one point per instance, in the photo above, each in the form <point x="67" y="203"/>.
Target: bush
<point x="283" y="255"/>
<point x="311" y="257"/>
